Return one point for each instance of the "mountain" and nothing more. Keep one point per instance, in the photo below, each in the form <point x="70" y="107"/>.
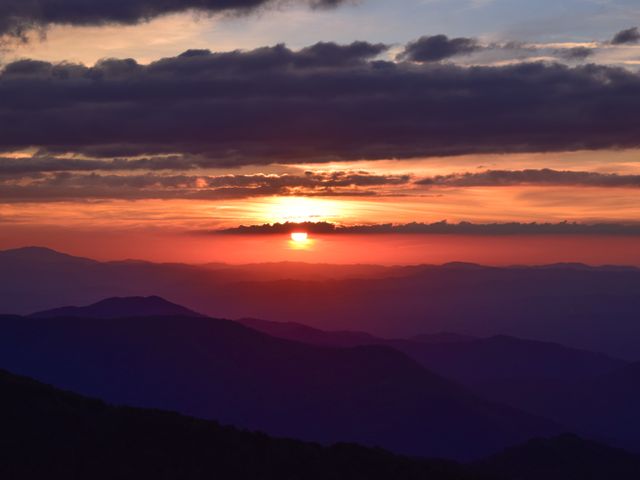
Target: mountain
<point x="590" y="393"/>
<point x="582" y="307"/>
<point x="302" y="333"/>
<point x="48" y="433"/>
<point x="475" y="362"/>
<point x="120" y="307"/>
<point x="443" y="337"/>
<point x="563" y="304"/>
<point x="20" y="257"/>
<point x="218" y="369"/>
<point x="566" y="457"/>
<point x="603" y="406"/>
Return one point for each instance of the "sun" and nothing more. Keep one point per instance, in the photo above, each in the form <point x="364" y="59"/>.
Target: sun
<point x="299" y="240"/>
<point x="299" y="236"/>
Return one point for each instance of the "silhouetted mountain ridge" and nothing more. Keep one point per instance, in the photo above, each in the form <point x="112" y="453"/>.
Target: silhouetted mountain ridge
<point x="48" y="433"/>
<point x="593" y="308"/>
<point x="373" y="395"/>
<point x="121" y="307"/>
<point x="468" y="360"/>
<point x="41" y="254"/>
<point x="566" y="457"/>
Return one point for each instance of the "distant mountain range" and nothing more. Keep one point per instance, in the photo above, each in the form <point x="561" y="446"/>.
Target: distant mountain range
<point x="121" y="307"/>
<point x="588" y="392"/>
<point x="468" y="360"/>
<point x="217" y="369"/>
<point x="48" y="433"/>
<point x="579" y="306"/>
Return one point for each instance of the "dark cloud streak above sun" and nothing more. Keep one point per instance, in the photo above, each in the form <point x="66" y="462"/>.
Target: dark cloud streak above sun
<point x="440" y="228"/>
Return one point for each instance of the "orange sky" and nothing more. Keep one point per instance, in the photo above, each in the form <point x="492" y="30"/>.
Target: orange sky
<point x="163" y="230"/>
<point x="340" y="249"/>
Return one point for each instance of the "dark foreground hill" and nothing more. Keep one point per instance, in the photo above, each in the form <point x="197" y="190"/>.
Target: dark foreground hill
<point x="566" y="457"/>
<point x="221" y="370"/>
<point x="48" y="433"/>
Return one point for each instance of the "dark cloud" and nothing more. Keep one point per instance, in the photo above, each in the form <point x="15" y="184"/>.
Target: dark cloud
<point x="575" y="53"/>
<point x="323" y="103"/>
<point x="543" y="177"/>
<point x="437" y="48"/>
<point x="17" y="17"/>
<point x="440" y="228"/>
<point x="628" y="36"/>
<point x="327" y="54"/>
<point x="61" y="186"/>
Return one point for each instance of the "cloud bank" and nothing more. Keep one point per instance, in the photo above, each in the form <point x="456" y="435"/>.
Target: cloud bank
<point x="327" y="102"/>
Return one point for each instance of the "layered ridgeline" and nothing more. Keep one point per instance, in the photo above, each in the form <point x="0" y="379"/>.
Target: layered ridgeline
<point x="587" y="392"/>
<point x="578" y="306"/>
<point x="218" y="369"/>
<point x="49" y="433"/>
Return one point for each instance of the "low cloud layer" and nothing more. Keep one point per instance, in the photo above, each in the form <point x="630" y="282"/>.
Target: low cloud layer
<point x="441" y="228"/>
<point x="327" y="102"/>
<point x="18" y="17"/>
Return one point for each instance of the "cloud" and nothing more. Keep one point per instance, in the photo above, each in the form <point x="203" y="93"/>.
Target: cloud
<point x="64" y="186"/>
<point x="438" y="47"/>
<point x="575" y="53"/>
<point x="543" y="177"/>
<point x="17" y="17"/>
<point x="324" y="103"/>
<point x="440" y="228"/>
<point x="628" y="36"/>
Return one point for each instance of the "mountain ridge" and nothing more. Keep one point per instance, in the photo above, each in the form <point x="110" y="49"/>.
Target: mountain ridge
<point x="115" y="307"/>
<point x="220" y="369"/>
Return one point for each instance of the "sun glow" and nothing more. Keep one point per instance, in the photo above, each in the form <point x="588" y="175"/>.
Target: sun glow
<point x="300" y="241"/>
<point x="300" y="209"/>
<point x="299" y="236"/>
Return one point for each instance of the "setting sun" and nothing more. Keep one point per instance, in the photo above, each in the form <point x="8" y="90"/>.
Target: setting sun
<point x="299" y="236"/>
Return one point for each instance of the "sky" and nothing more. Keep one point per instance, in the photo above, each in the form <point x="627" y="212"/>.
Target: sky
<point x="142" y="128"/>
